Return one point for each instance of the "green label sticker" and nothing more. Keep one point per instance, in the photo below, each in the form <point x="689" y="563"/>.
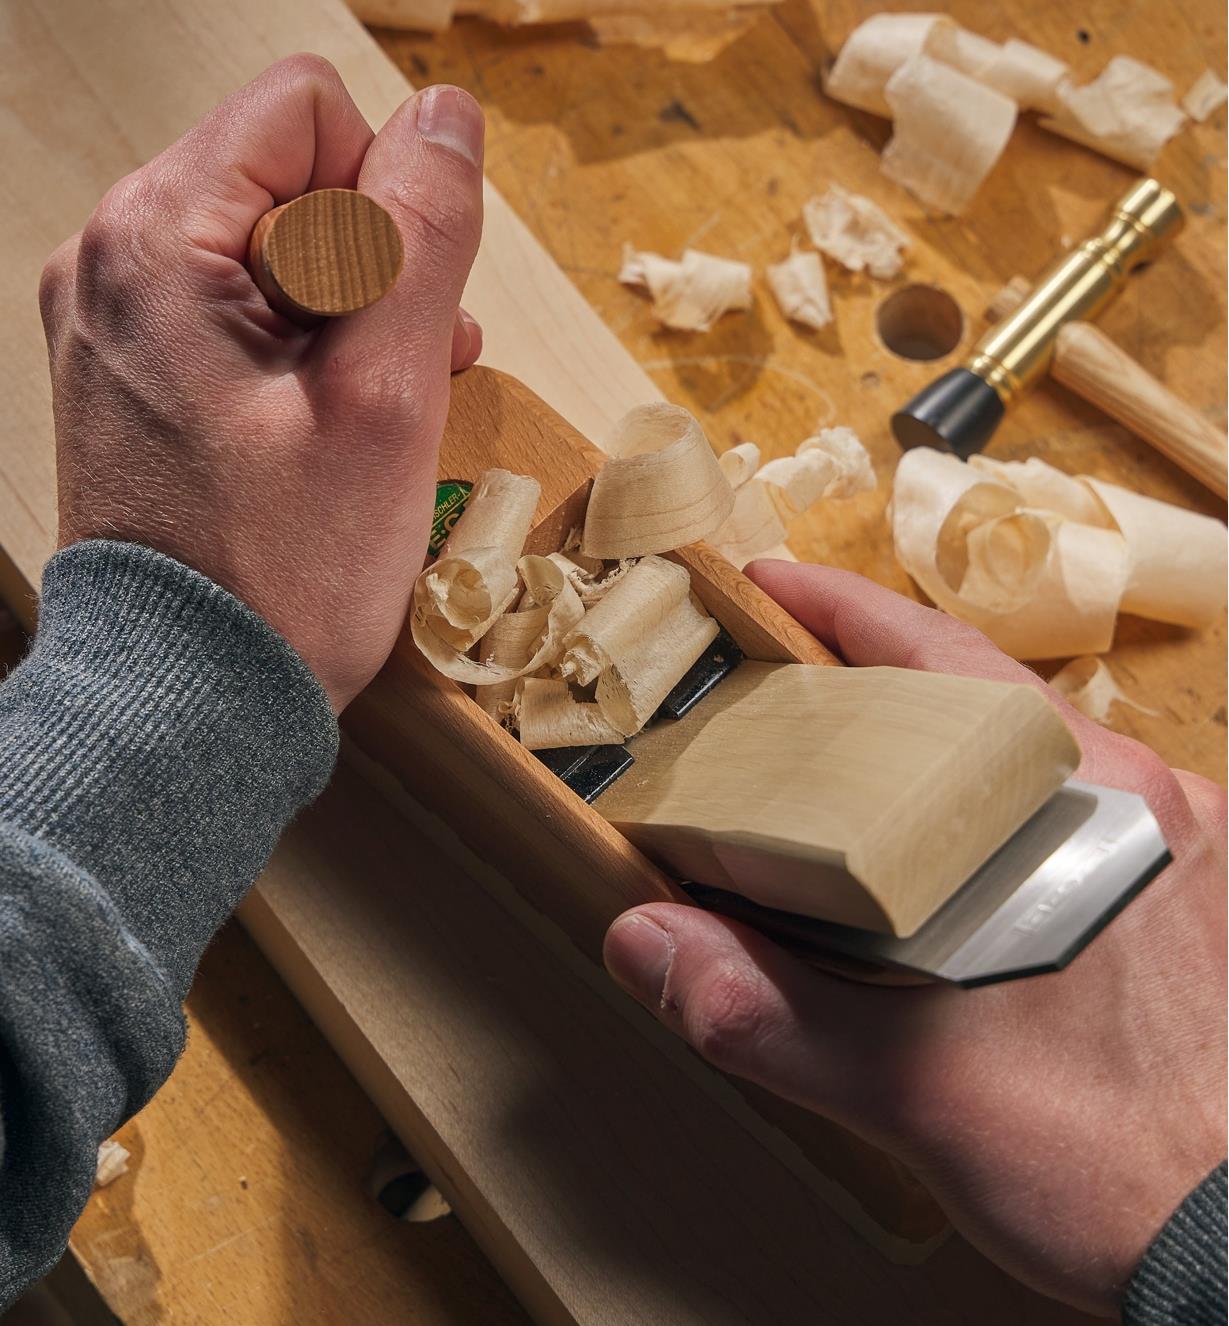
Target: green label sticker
<point x="450" y="498"/>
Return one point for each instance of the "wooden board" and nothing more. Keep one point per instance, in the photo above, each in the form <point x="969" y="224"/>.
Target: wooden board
<point x="245" y="1199"/>
<point x="591" y="1156"/>
<point x="597" y="146"/>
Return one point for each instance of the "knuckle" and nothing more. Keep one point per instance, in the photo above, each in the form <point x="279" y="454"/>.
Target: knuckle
<point x="305" y="67"/>
<point x="724" y="1017"/>
<point x="353" y="387"/>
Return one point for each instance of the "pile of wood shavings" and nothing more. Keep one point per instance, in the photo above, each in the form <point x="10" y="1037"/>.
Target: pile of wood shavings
<point x="954" y="97"/>
<point x="1043" y="562"/>
<point x="692" y="293"/>
<point x="580" y="647"/>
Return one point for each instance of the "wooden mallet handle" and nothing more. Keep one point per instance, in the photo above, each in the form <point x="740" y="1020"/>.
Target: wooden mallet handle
<point x="1087" y="362"/>
<point x="325" y="254"/>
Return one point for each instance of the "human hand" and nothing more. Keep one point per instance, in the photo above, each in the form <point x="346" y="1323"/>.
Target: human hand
<point x="1060" y="1120"/>
<point x="294" y="467"/>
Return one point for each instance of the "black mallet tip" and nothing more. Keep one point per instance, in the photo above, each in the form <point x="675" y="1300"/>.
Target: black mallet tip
<point x="959" y="413"/>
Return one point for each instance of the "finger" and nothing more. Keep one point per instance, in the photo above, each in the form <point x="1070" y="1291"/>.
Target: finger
<point x="293" y="129"/>
<point x="466" y="341"/>
<point x="750" y="1008"/>
<point x="868" y="625"/>
<point x="425" y="167"/>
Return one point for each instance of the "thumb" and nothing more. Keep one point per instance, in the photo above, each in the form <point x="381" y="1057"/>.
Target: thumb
<point x="750" y="1008"/>
<point x="425" y="168"/>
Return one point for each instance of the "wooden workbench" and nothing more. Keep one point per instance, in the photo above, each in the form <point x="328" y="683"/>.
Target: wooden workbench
<point x="255" y="1213"/>
<point x="594" y="147"/>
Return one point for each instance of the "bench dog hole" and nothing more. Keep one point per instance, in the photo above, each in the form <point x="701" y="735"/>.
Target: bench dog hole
<point x="920" y="322"/>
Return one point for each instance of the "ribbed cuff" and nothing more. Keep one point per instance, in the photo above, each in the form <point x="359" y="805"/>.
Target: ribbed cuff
<point x="1181" y="1280"/>
<point x="160" y="735"/>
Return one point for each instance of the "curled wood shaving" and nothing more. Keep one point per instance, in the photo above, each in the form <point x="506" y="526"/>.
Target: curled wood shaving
<point x="855" y="232"/>
<point x="1207" y="94"/>
<point x="544" y="626"/>
<point x="475" y="578"/>
<point x="661" y="488"/>
<point x="1089" y="686"/>
<point x="1127" y="113"/>
<point x="879" y="47"/>
<point x="1042" y="562"/>
<point x="874" y="51"/>
<point x="949" y="132"/>
<point x="1031" y="77"/>
<point x="638" y="642"/>
<point x="833" y="464"/>
<point x="800" y="288"/>
<point x="458" y="600"/>
<point x="691" y="294"/>
<point x="548" y="716"/>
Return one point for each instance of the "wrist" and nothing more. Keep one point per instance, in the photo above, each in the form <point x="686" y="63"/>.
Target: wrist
<point x="160" y="735"/>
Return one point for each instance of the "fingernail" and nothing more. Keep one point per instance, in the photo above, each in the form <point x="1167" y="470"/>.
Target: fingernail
<point x="638" y="955"/>
<point x="452" y="119"/>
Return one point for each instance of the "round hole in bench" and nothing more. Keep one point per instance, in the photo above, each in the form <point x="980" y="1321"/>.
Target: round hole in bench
<point x="920" y="322"/>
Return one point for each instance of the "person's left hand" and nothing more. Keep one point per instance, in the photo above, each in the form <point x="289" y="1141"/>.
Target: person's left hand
<point x="294" y="467"/>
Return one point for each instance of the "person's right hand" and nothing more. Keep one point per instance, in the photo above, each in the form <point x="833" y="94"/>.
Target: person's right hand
<point x="294" y="467"/>
<point x="1059" y="1120"/>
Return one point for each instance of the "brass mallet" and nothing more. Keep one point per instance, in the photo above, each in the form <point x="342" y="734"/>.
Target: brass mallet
<point x="962" y="409"/>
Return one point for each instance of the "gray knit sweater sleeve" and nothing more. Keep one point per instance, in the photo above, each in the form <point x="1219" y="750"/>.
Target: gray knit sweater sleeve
<point x="153" y="745"/>
<point x="1181" y="1280"/>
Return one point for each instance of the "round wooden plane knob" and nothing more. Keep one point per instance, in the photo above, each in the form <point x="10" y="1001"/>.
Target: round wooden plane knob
<point x="325" y="254"/>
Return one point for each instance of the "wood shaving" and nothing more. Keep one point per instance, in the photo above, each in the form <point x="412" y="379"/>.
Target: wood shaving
<point x="691" y="294"/>
<point x="967" y="51"/>
<point x="1088" y="685"/>
<point x="479" y="573"/>
<point x="1031" y="77"/>
<point x="949" y="132"/>
<point x="1043" y="562"/>
<point x="624" y="622"/>
<point x="693" y="31"/>
<point x="855" y="232"/>
<point x="874" y="51"/>
<point x="638" y="642"/>
<point x="687" y="38"/>
<point x="832" y="465"/>
<point x="112" y="1162"/>
<point x="799" y="286"/>
<point x="1128" y="113"/>
<point x="1207" y="94"/>
<point x="661" y="488"/>
<point x="548" y="716"/>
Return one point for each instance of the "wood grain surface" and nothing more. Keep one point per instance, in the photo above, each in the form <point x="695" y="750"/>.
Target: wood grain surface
<point x="244" y="1200"/>
<point x="328" y="253"/>
<point x="831" y="792"/>
<point x="596" y="146"/>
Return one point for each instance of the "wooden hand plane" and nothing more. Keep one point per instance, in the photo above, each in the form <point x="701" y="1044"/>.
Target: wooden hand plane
<point x="924" y="823"/>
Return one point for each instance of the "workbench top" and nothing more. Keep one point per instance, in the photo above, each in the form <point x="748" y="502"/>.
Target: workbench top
<point x="254" y="1211"/>
<point x="594" y="147"/>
